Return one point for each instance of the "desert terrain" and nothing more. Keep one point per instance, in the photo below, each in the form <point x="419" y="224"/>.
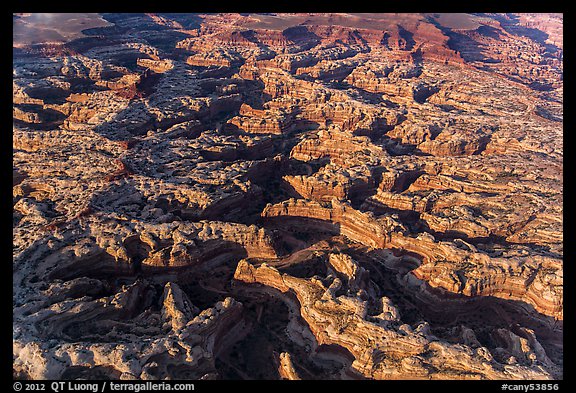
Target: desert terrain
<point x="288" y="196"/>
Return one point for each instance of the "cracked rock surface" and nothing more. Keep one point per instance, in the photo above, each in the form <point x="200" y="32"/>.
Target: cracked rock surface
<point x="290" y="196"/>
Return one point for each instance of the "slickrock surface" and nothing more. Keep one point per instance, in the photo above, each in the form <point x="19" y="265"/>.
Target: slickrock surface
<point x="290" y="196"/>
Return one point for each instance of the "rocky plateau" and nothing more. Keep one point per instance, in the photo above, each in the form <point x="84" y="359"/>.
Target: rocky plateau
<point x="290" y="196"/>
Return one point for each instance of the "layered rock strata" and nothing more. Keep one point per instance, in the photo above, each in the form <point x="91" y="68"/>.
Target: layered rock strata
<point x="290" y="196"/>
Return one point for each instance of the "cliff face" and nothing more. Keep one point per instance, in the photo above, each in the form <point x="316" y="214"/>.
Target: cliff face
<point x="360" y="227"/>
<point x="343" y="321"/>
<point x="290" y="196"/>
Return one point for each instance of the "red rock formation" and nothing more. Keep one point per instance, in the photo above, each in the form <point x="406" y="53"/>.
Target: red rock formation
<point x="342" y="148"/>
<point x="261" y="121"/>
<point x="285" y="367"/>
<point x="330" y="182"/>
<point x="361" y="227"/>
<point x="367" y="230"/>
<point x="405" y="202"/>
<point x="154" y="159"/>
<point x="507" y="278"/>
<point x="380" y="351"/>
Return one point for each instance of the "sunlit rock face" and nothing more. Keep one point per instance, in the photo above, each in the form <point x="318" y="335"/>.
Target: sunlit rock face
<point x="288" y="196"/>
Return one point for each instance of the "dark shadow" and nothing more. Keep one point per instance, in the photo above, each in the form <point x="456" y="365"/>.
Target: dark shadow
<point x="363" y="94"/>
<point x="240" y="209"/>
<point x="408" y="217"/>
<point x="422" y="92"/>
<point x="109" y="36"/>
<point x="47" y="118"/>
<point x="309" y="266"/>
<point x="469" y="49"/>
<point x="417" y="58"/>
<point x="49" y="95"/>
<point x="483" y="314"/>
<point x="256" y="356"/>
<point x="18" y="176"/>
<point x="252" y="357"/>
<point x="204" y="256"/>
<point x="100" y="265"/>
<point x="337" y="350"/>
<point x="330" y="77"/>
<point x="137" y="251"/>
<point x="489" y="31"/>
<point x="85" y="85"/>
<point x="385" y="41"/>
<point x="487" y="243"/>
<point x="403" y="181"/>
<point x="213" y="71"/>
<point x="297" y="233"/>
<point x="250" y="35"/>
<point x="105" y="373"/>
<point x="137" y="119"/>
<point x="546" y="114"/>
<point x="510" y="23"/>
<point x="356" y="37"/>
<point x="163" y="37"/>
<point x="187" y="20"/>
<point x="301" y="36"/>
<point x="395" y="147"/>
<point x="120" y="197"/>
<point x="541" y="86"/>
<point x="407" y="36"/>
<point x="482" y="141"/>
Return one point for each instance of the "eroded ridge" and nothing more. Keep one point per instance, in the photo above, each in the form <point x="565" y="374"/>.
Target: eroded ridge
<point x="289" y="196"/>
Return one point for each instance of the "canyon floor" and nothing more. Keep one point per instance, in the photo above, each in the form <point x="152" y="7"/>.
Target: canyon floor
<point x="288" y="196"/>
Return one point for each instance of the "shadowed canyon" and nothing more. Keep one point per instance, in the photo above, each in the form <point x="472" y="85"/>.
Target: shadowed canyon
<point x="288" y="196"/>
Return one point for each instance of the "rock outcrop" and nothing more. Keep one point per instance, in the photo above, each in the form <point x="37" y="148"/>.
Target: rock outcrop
<point x="382" y="350"/>
<point x="289" y="196"/>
